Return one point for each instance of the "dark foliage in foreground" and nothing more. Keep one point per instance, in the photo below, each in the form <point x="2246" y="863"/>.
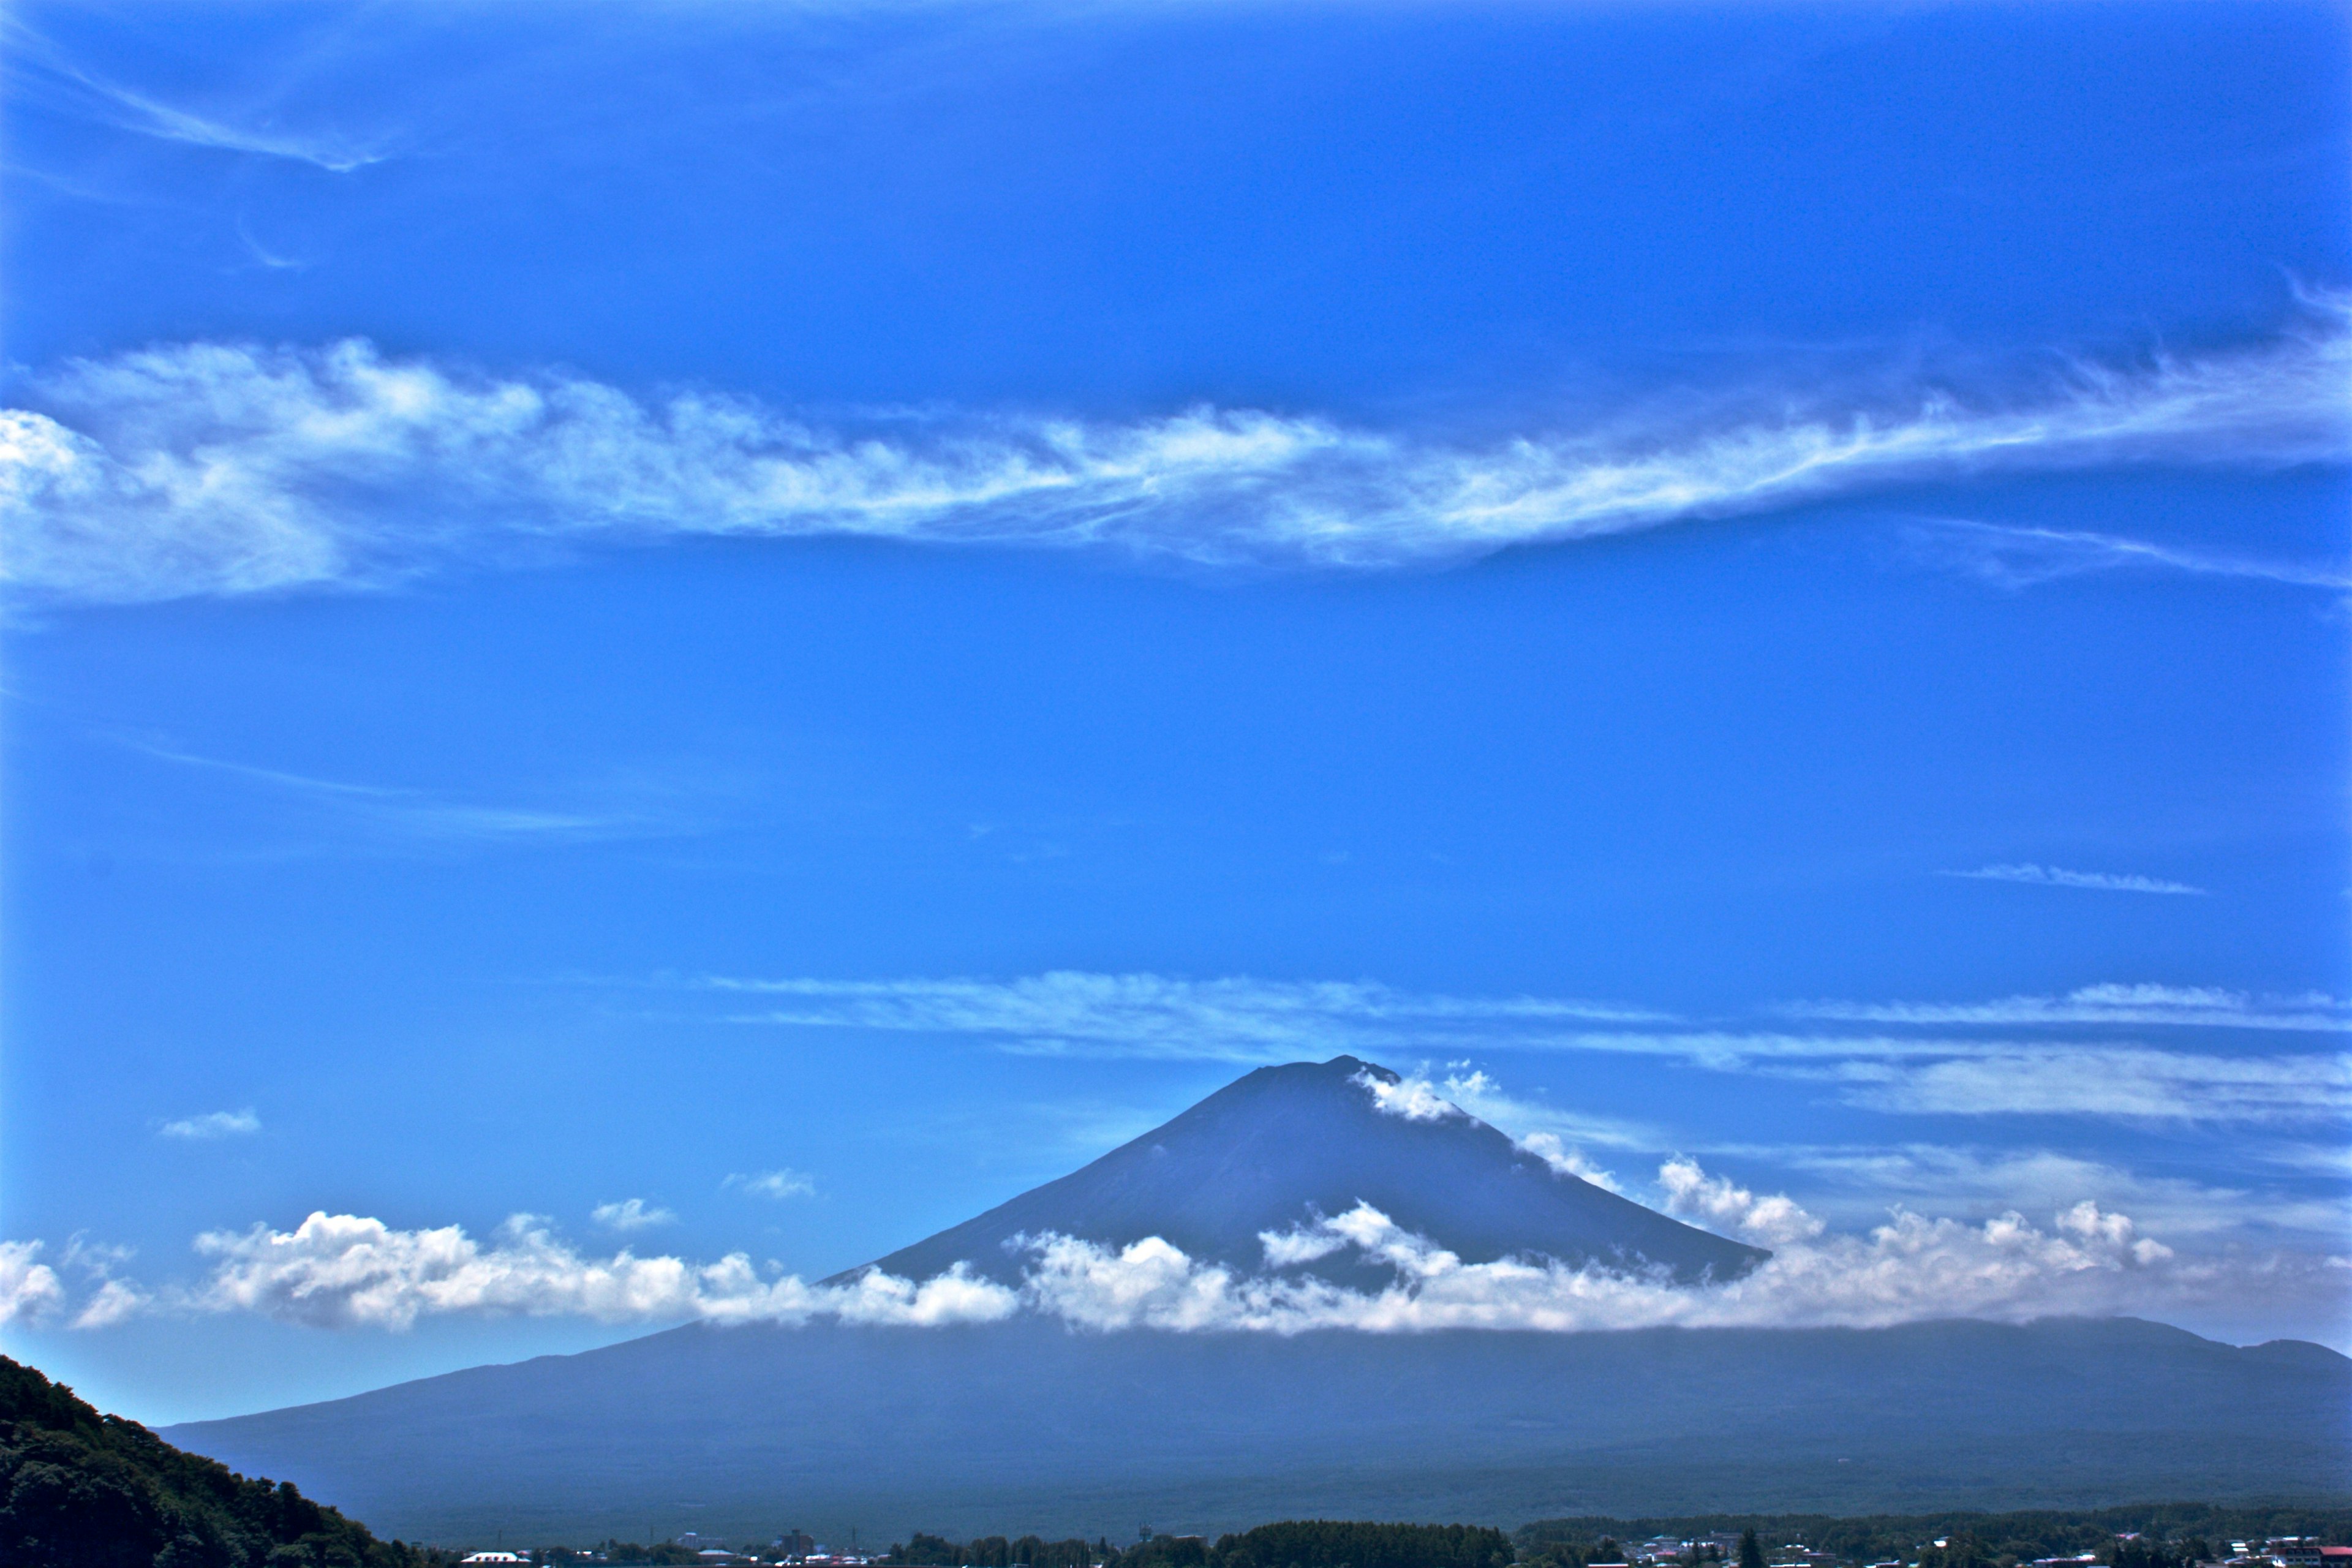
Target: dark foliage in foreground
<point x="1309" y="1543"/>
<point x="2174" y="1533"/>
<point x="79" y="1489"/>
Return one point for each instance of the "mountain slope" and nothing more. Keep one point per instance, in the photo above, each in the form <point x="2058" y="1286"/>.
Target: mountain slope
<point x="1019" y="1426"/>
<point x="1286" y="1144"/>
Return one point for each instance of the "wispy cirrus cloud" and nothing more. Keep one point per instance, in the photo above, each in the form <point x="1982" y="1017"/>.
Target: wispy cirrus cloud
<point x="213" y="1124"/>
<point x="46" y="74"/>
<point x="422" y="816"/>
<point x="2021" y="556"/>
<point x="225" y="468"/>
<point x="2195" y="1006"/>
<point x="2135" y="1083"/>
<point x="1240" y="1019"/>
<point x="2059" y="876"/>
<point x="1143" y="1014"/>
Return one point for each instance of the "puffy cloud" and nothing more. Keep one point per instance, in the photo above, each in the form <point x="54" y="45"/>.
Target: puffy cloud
<point x="214" y="1124"/>
<point x="113" y="1303"/>
<point x="1774" y="1221"/>
<point x="1909" y="1268"/>
<point x="1568" y="1161"/>
<point x="779" y="1184"/>
<point x="29" y="1289"/>
<point x="346" y="1270"/>
<point x="631" y="1213"/>
<point x="221" y="468"/>
<point x="1414" y="1098"/>
<point x="2059" y="876"/>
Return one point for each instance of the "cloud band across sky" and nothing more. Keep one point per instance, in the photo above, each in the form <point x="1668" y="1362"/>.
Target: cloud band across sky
<point x="225" y="469"/>
<point x="347" y="1271"/>
<point x="1950" y="1072"/>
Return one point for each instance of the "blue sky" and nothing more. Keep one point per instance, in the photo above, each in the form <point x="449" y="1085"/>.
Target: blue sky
<point x="806" y="617"/>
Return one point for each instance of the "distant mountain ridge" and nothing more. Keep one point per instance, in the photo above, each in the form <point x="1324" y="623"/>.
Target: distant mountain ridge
<point x="1286" y="1145"/>
<point x="981" y="1428"/>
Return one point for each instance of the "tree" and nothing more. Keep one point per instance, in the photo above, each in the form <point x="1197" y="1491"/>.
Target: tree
<point x="1751" y="1551"/>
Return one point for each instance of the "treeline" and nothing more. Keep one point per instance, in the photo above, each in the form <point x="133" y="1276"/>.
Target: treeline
<point x="1303" y="1544"/>
<point x="79" y="1489"/>
<point x="996" y="1551"/>
<point x="2172" y="1534"/>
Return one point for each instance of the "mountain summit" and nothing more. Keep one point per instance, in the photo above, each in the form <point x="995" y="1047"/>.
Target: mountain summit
<point x="1286" y="1146"/>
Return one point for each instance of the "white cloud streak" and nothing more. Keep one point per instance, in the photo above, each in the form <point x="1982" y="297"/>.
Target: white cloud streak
<point x="213" y="1124"/>
<point x="65" y="84"/>
<point x="2193" y="1006"/>
<point x="631" y="1213"/>
<point x="2058" y="877"/>
<point x="1244" y="1020"/>
<point x="777" y="1184"/>
<point x="423" y="814"/>
<point x="1154" y="1016"/>
<point x="223" y="469"/>
<point x="2018" y="556"/>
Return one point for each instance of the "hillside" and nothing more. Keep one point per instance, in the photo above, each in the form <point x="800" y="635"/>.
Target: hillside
<point x="79" y="1489"/>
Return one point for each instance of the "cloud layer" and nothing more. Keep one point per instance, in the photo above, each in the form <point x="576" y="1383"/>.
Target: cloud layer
<point x="347" y="1271"/>
<point x="1908" y="1269"/>
<point x="1246" y="1020"/>
<point x="226" y="469"/>
<point x="344" y="1271"/>
<point x="2059" y="876"/>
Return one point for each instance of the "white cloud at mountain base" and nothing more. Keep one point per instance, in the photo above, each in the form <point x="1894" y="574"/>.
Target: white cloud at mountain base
<point x="221" y="470"/>
<point x="345" y="1271"/>
<point x="1909" y="1268"/>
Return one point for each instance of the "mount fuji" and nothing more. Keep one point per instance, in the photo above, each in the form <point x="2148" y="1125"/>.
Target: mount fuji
<point x="1032" y="1422"/>
<point x="1287" y="1145"/>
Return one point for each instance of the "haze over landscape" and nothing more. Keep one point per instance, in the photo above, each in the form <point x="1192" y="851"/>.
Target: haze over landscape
<point x="1475" y="742"/>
